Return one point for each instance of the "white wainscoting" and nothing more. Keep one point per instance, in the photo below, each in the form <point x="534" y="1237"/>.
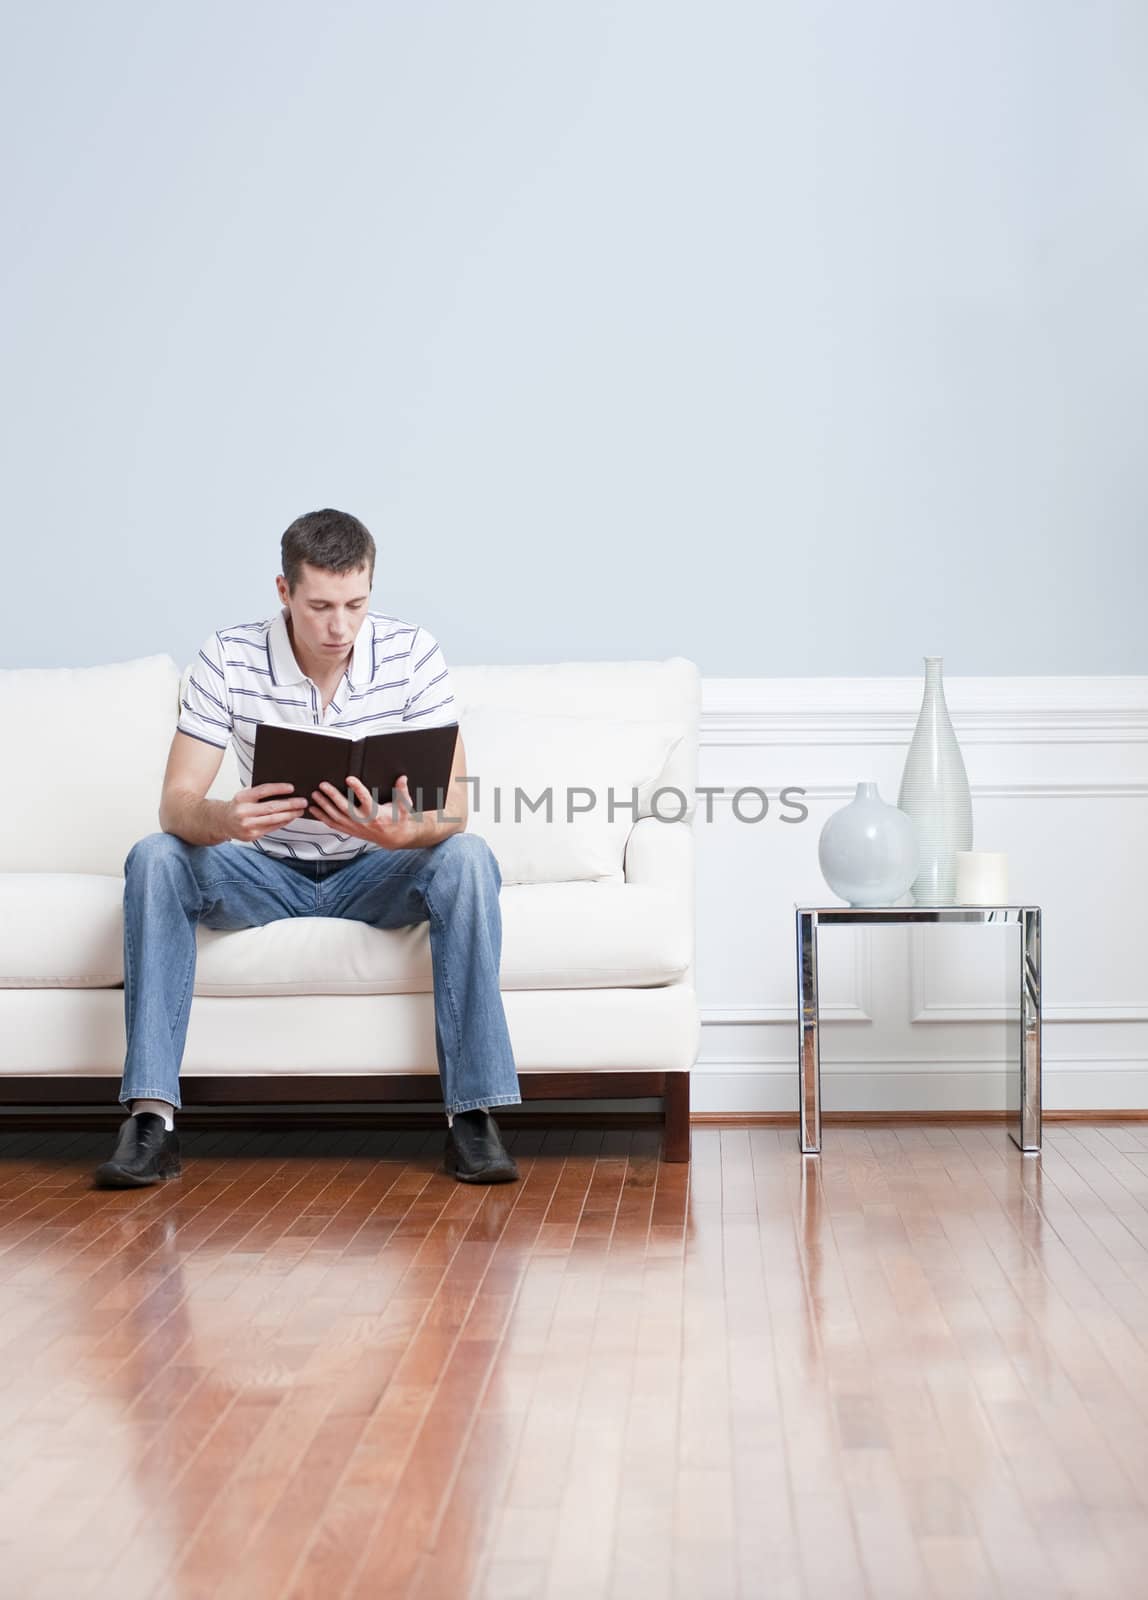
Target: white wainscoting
<point x="924" y="1018"/>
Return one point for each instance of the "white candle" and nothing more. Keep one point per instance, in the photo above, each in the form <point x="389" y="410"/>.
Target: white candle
<point x="982" y="878"/>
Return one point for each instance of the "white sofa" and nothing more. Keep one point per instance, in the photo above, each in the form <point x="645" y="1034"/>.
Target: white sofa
<point x="597" y="971"/>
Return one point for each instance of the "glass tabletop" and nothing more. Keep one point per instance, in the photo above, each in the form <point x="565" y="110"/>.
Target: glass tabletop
<point x="950" y="913"/>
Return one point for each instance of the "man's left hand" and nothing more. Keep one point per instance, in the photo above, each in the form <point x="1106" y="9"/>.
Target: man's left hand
<point x="393" y="826"/>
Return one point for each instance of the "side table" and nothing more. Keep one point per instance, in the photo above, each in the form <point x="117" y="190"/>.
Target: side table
<point x="810" y="919"/>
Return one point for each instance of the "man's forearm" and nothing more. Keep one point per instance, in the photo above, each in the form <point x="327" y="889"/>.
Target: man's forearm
<point x="432" y="831"/>
<point x="193" y="819"/>
<point x="433" y="825"/>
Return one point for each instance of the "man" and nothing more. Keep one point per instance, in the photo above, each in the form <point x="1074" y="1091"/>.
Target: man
<point x="324" y="661"/>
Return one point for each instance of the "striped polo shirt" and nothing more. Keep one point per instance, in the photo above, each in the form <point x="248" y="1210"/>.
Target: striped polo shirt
<point x="247" y="674"/>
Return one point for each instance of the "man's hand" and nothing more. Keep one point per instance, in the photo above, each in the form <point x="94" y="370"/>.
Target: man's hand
<point x="401" y="831"/>
<point x="252" y="813"/>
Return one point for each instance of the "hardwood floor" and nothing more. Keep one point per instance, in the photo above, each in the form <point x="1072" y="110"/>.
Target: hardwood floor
<point x="317" y="1367"/>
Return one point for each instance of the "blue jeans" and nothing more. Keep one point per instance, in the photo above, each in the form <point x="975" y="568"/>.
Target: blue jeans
<point x="171" y="885"/>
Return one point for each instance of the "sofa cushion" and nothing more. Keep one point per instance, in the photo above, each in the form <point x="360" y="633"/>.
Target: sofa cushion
<point x="652" y="691"/>
<point x="89" y="745"/>
<point x="574" y="769"/>
<point x="65" y="930"/>
<point x="61" y="930"/>
<point x="554" y="936"/>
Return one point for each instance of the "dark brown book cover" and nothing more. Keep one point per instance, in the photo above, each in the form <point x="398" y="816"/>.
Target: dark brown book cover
<point x="305" y="759"/>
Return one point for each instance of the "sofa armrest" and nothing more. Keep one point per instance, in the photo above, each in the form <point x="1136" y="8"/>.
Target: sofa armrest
<point x="661" y="855"/>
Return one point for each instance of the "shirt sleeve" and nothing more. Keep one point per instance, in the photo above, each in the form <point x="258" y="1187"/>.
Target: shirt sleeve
<point x="430" y="698"/>
<point x="205" y="704"/>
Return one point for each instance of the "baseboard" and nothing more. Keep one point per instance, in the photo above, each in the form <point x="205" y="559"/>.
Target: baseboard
<point x="788" y="1119"/>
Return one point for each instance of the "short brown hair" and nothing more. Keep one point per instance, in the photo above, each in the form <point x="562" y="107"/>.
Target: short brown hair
<point x="332" y="540"/>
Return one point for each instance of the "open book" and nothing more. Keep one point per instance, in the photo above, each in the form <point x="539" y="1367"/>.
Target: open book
<point x="307" y="757"/>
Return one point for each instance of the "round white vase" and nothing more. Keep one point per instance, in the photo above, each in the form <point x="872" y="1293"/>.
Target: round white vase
<point x="935" y="794"/>
<point x="868" y="850"/>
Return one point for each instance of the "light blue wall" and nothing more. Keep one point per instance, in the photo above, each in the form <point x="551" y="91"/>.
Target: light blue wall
<point x="797" y="338"/>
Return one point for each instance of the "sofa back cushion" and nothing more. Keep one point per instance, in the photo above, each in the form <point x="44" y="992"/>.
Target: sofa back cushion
<point x="84" y="756"/>
<point x="632" y="691"/>
<point x="556" y="797"/>
<point x="598" y="726"/>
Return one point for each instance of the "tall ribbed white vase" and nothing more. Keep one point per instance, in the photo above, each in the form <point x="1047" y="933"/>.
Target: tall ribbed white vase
<point x="935" y="794"/>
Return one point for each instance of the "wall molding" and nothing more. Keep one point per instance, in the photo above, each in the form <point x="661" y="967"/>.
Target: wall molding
<point x="859" y="1008"/>
<point x="922" y="1009"/>
<point x="1056" y="710"/>
<point x="995" y="791"/>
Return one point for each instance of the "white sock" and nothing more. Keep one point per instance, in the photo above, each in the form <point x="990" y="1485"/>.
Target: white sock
<point x="450" y="1114"/>
<point x="160" y="1108"/>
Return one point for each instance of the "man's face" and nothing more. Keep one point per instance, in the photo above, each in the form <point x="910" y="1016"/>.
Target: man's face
<point x="327" y="610"/>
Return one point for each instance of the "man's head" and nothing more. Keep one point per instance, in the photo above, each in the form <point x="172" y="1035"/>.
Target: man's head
<point x="328" y="566"/>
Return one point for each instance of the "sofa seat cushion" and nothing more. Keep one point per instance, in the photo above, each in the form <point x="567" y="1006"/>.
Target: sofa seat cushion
<point x="61" y="930"/>
<point x="554" y="936"/>
<point x="65" y="931"/>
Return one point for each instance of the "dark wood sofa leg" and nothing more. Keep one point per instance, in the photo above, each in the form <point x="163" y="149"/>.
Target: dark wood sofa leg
<point x="676" y="1106"/>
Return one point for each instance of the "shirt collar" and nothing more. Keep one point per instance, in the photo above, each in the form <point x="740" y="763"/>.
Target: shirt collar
<point x="286" y="670"/>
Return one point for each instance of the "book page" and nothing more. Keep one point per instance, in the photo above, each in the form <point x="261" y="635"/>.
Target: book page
<point x="306" y="727"/>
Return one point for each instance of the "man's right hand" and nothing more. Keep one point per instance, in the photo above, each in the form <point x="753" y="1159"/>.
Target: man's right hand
<point x="252" y="812"/>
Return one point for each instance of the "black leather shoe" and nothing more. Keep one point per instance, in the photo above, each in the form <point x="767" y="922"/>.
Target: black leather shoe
<point x="474" y="1151"/>
<point x="145" y="1153"/>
